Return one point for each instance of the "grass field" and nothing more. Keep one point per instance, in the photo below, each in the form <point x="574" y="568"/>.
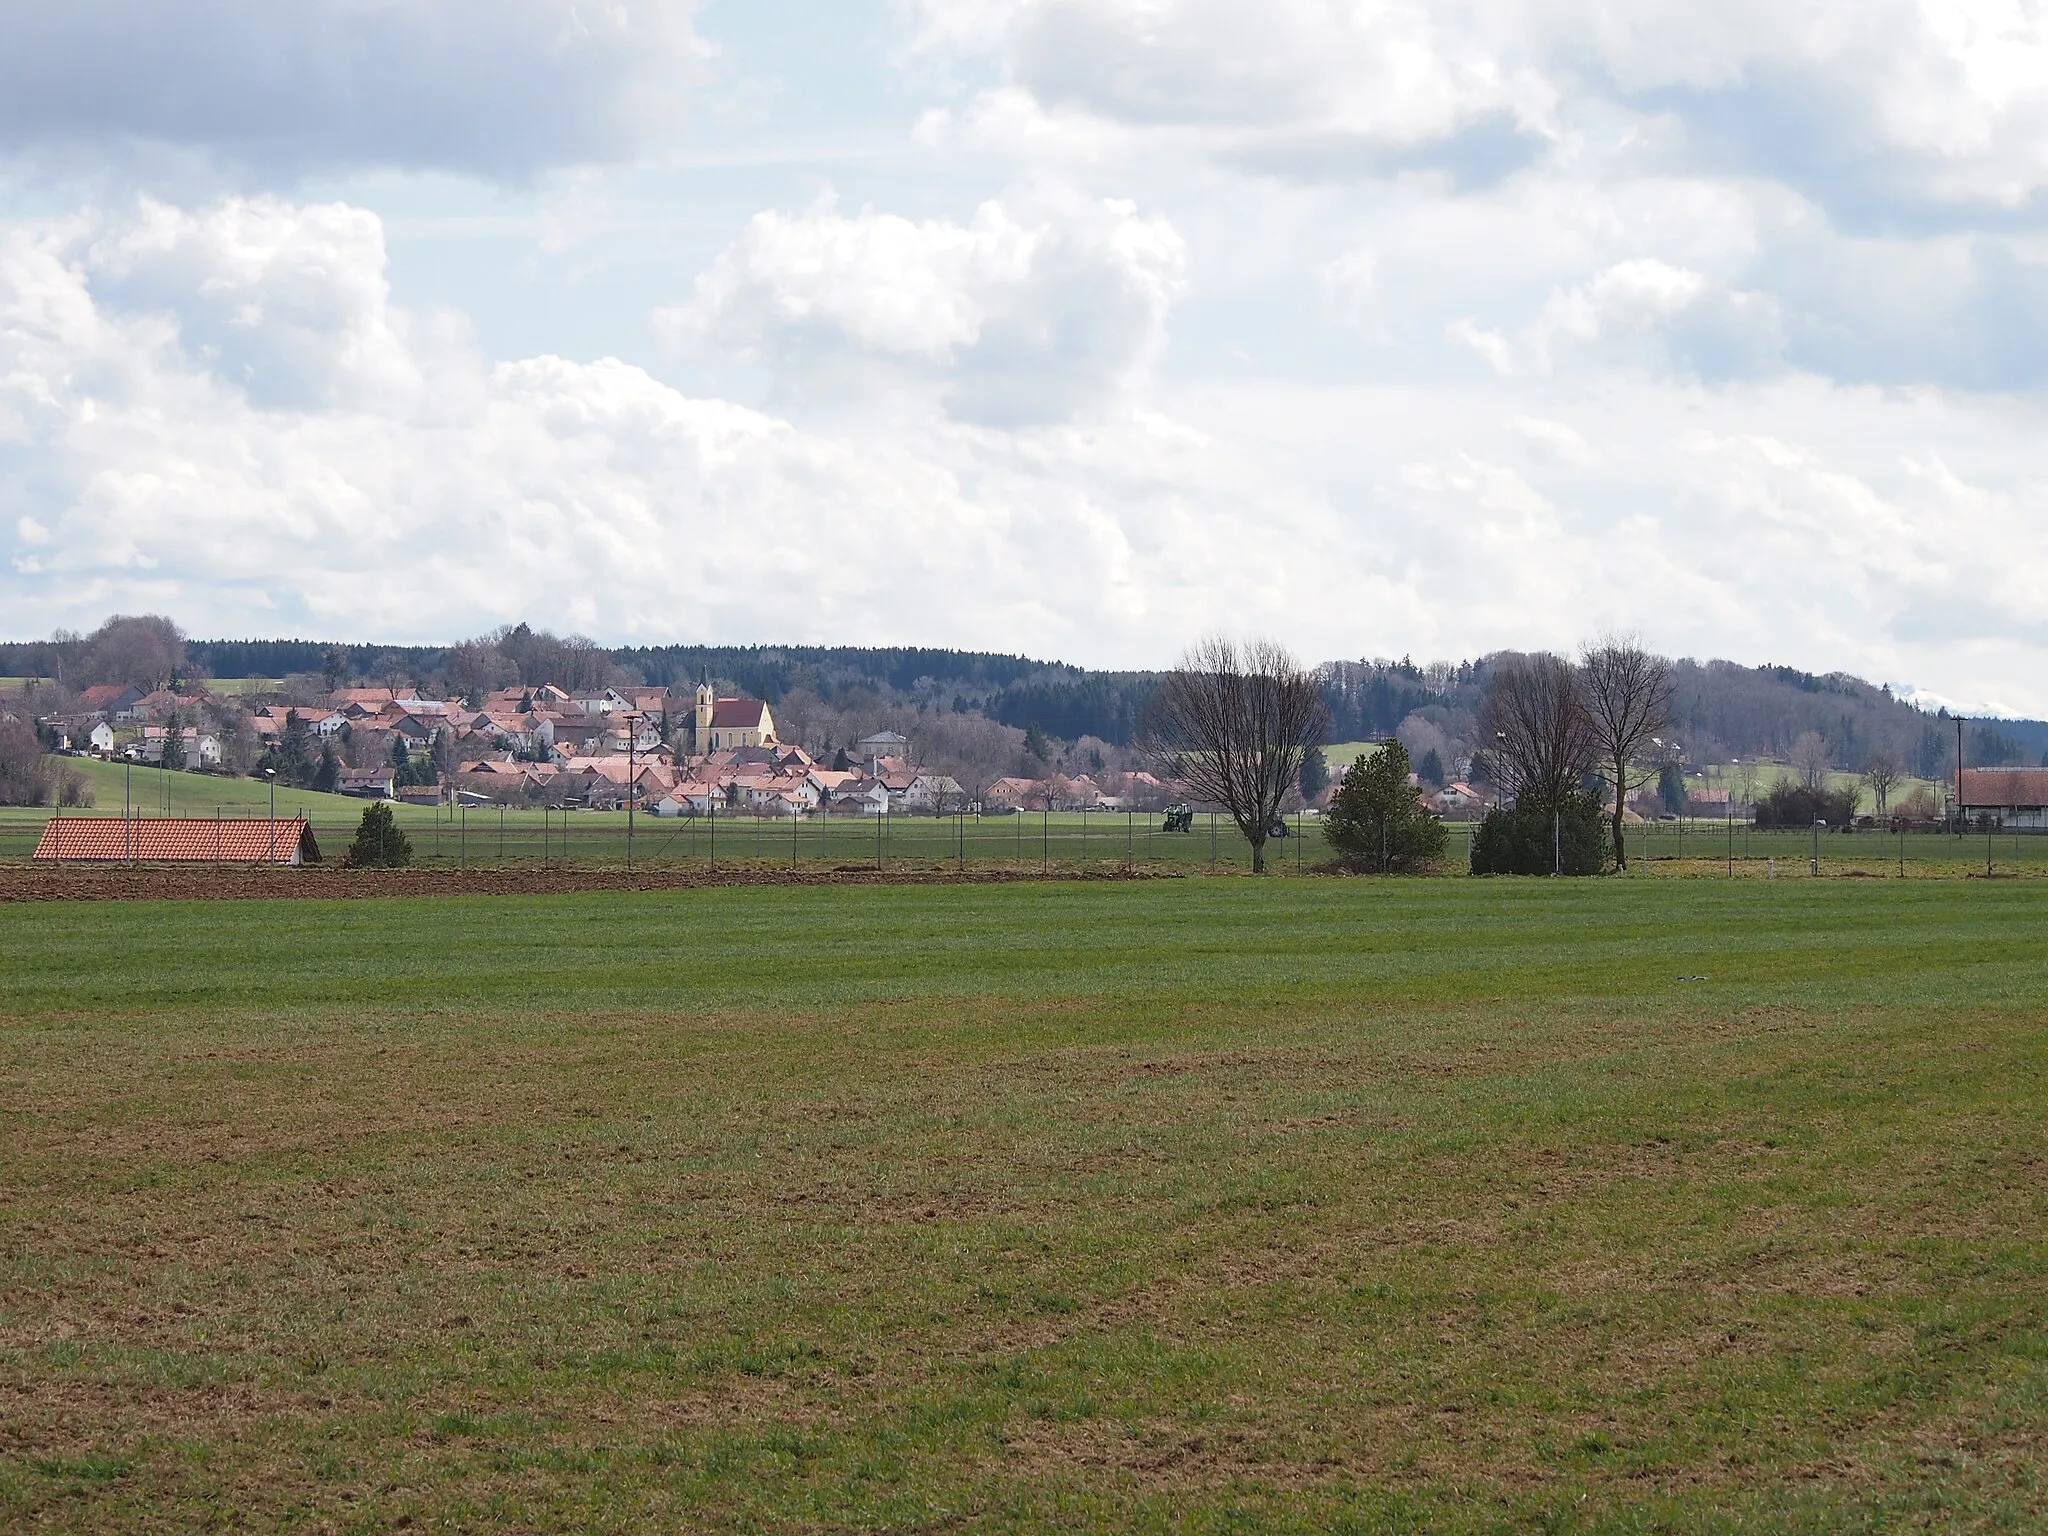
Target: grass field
<point x="484" y="837"/>
<point x="1190" y="1205"/>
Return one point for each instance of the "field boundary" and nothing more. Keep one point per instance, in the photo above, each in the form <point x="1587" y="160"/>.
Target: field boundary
<point x="168" y="882"/>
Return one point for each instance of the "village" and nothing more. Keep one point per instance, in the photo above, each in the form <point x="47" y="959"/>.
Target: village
<point x="681" y="753"/>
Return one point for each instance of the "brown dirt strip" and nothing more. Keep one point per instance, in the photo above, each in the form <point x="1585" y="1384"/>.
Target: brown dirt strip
<point x="170" y="882"/>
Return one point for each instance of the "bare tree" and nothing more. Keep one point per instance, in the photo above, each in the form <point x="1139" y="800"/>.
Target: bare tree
<point x="475" y="667"/>
<point x="144" y="650"/>
<point x="1882" y="773"/>
<point x="1542" y="734"/>
<point x="1627" y="699"/>
<point x="1810" y="756"/>
<point x="24" y="772"/>
<point x="1235" y="720"/>
<point x="1745" y="776"/>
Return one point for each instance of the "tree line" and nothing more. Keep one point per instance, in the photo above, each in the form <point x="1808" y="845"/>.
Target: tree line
<point x="1719" y="710"/>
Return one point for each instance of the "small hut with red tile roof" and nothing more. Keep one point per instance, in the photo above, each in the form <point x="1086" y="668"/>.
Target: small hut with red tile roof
<point x="177" y="840"/>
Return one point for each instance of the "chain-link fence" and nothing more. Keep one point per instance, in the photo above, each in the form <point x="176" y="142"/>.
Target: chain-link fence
<point x="480" y="837"/>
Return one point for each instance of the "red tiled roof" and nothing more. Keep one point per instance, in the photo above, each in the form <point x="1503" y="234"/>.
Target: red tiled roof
<point x="2004" y="786"/>
<point x="162" y="839"/>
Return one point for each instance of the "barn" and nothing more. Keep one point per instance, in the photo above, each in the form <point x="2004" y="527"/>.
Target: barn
<point x="2012" y="797"/>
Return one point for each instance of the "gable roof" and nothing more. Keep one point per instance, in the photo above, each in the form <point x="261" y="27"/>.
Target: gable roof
<point x="177" y="839"/>
<point x="2004" y="786"/>
<point x="738" y="714"/>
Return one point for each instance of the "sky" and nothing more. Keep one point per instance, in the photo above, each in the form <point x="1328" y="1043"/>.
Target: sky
<point x="1077" y="328"/>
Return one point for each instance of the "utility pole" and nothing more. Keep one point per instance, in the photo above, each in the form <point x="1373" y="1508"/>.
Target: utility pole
<point x="1959" y="780"/>
<point x="632" y="783"/>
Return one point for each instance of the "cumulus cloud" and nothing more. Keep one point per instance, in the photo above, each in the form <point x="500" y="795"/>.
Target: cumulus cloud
<point x="1864" y="104"/>
<point x="1608" y="390"/>
<point x="1042" y="305"/>
<point x="1314" y="84"/>
<point x="495" y="87"/>
<point x="162" y="470"/>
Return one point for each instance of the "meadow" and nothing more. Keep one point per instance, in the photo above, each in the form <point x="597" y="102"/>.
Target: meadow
<point x="1205" y="1205"/>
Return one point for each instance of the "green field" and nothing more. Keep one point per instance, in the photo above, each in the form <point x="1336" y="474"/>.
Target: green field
<point x="485" y="836"/>
<point x="1204" y="1205"/>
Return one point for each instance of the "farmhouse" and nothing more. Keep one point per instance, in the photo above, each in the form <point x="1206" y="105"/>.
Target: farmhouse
<point x="1716" y="804"/>
<point x="2012" y="797"/>
<point x="176" y="840"/>
<point x="882" y="744"/>
<point x="1458" y="802"/>
<point x="368" y="783"/>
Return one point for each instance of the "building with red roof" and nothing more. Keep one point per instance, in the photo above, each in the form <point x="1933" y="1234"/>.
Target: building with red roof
<point x="2014" y="797"/>
<point x="176" y="840"/>
<point x="720" y="723"/>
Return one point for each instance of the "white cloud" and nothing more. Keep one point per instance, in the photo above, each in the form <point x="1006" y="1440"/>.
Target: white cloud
<point x="1555" y="442"/>
<point x="498" y="87"/>
<point x="1388" y="327"/>
<point x="1942" y="101"/>
<point x="1043" y="304"/>
<point x="585" y="494"/>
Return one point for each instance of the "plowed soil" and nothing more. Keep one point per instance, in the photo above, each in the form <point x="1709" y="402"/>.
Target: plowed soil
<point x="172" y="882"/>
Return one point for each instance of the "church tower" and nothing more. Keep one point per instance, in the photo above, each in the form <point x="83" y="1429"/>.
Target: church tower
<point x="701" y="739"/>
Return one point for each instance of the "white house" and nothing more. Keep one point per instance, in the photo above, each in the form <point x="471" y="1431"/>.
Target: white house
<point x="102" y="738"/>
<point x="866" y="797"/>
<point x="932" y="791"/>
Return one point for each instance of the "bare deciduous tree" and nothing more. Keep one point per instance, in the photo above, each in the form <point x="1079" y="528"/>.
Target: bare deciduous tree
<point x="1235" y="720"/>
<point x="142" y="650"/>
<point x="1810" y="757"/>
<point x="1883" y="772"/>
<point x="1627" y="699"/>
<point x="475" y="667"/>
<point x="1535" y="714"/>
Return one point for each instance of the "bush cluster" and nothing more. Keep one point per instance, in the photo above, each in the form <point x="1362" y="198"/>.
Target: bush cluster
<point x="1794" y="805"/>
<point x="1571" y="838"/>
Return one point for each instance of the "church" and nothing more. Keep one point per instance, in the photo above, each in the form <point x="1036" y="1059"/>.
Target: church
<point x="721" y="723"/>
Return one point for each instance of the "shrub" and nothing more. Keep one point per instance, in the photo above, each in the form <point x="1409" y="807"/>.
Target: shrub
<point x="379" y="843"/>
<point x="24" y="772"/>
<point x="1375" y="821"/>
<point x="1571" y="839"/>
<point x="1795" y="805"/>
<point x="74" y="790"/>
